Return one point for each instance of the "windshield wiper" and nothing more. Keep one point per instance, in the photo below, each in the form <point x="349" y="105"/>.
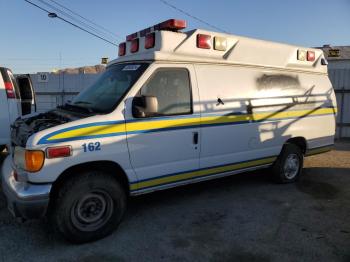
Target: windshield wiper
<point x="82" y="102"/>
<point x="79" y="108"/>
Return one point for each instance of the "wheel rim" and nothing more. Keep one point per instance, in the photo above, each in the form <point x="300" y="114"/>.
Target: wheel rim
<point x="92" y="210"/>
<point x="291" y="166"/>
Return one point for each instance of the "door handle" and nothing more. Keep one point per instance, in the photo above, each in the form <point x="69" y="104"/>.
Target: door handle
<point x="195" y="138"/>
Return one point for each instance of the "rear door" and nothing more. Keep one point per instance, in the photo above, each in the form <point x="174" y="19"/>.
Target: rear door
<point x="28" y="102"/>
<point x="165" y="148"/>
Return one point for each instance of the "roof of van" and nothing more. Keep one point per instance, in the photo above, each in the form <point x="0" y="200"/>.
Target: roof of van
<point x="243" y="51"/>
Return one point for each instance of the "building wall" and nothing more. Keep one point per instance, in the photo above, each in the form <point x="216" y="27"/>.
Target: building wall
<point x="339" y="74"/>
<point x="339" y="64"/>
<point x="59" y="88"/>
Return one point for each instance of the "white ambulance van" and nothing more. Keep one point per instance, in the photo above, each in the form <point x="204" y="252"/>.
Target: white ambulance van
<point x="16" y="99"/>
<point x="175" y="108"/>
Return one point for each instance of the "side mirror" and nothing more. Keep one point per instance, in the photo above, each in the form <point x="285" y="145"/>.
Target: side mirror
<point x="144" y="106"/>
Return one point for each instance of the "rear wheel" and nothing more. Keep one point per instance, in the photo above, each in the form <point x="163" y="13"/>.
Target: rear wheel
<point x="89" y="207"/>
<point x="288" y="165"/>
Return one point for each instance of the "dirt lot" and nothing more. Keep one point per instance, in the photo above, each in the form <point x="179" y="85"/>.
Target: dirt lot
<point x="240" y="218"/>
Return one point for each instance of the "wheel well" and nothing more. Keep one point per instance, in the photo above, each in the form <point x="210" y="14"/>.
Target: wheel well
<point x="300" y="142"/>
<point x="107" y="166"/>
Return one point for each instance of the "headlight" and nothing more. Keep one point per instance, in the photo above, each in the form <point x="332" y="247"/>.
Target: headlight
<point x="29" y="160"/>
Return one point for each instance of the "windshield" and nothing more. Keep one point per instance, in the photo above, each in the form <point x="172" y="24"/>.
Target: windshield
<point x="105" y="94"/>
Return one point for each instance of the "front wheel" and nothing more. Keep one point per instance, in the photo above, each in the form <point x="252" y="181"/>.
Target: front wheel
<point x="89" y="207"/>
<point x="288" y="165"/>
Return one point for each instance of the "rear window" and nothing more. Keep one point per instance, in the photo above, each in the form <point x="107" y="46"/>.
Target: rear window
<point x="25" y="88"/>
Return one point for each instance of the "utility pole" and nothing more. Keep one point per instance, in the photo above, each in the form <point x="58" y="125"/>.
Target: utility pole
<point x="62" y="94"/>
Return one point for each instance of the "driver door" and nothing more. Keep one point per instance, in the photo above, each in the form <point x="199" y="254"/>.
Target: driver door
<point x="164" y="148"/>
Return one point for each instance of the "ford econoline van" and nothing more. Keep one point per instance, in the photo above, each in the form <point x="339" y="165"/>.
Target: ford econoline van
<point x="175" y="108"/>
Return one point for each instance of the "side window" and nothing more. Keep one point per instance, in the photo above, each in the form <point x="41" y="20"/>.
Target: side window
<point x="172" y="88"/>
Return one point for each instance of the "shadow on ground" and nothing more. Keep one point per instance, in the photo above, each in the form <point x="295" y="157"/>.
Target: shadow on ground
<point x="240" y="218"/>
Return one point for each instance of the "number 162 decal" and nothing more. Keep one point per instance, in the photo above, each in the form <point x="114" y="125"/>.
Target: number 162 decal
<point x="90" y="147"/>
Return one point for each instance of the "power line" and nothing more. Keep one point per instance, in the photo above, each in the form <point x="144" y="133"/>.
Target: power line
<point x="193" y="17"/>
<point x="97" y="31"/>
<point x="86" y="19"/>
<point x="77" y="26"/>
<point x="44" y="59"/>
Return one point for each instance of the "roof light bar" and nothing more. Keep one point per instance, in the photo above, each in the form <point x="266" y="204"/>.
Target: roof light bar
<point x="304" y="55"/>
<point x="171" y="25"/>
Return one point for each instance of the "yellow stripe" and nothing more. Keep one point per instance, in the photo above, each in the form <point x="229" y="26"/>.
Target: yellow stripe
<point x="266" y="116"/>
<point x="182" y="122"/>
<point x="160" y="124"/>
<point x="204" y="172"/>
<point x="91" y="130"/>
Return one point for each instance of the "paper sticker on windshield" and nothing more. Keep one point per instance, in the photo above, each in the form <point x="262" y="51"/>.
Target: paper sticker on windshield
<point x="131" y="67"/>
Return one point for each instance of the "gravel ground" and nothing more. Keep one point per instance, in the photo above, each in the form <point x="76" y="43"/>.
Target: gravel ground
<point x="240" y="218"/>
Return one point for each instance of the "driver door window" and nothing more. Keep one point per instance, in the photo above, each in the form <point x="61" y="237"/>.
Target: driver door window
<point x="172" y="89"/>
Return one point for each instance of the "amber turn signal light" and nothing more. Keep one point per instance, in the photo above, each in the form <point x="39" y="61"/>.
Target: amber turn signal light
<point x="34" y="160"/>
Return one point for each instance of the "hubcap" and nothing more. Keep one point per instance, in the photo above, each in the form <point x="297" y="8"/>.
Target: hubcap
<point x="291" y="166"/>
<point x="92" y="210"/>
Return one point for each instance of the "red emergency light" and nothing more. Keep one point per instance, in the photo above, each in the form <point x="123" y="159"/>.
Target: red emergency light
<point x="150" y="40"/>
<point x="310" y="56"/>
<point x="122" y="49"/>
<point x="203" y="41"/>
<point x="134" y="47"/>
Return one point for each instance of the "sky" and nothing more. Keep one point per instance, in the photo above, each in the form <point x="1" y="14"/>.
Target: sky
<point x="33" y="42"/>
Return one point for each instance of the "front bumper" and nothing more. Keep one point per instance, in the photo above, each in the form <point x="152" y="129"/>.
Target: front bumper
<point x="24" y="200"/>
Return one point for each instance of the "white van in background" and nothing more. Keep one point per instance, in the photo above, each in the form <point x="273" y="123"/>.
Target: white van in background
<point x="16" y="99"/>
<point x="175" y="108"/>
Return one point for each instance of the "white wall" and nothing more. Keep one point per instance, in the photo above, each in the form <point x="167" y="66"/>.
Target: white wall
<point x="59" y="88"/>
<point x="339" y="74"/>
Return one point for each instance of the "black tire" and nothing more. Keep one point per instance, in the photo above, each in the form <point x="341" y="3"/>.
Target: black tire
<point x="88" y="207"/>
<point x="289" y="164"/>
